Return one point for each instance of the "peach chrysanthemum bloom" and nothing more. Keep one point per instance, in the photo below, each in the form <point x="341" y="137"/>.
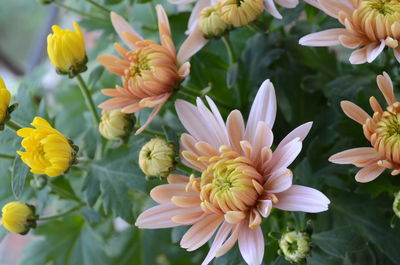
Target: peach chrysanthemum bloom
<point x="369" y="26"/>
<point x="150" y="71"/>
<point x="241" y="180"/>
<point x="382" y="130"/>
<point x="269" y="6"/>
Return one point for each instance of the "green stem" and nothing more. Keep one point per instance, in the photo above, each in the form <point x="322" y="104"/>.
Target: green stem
<point x="77" y="11"/>
<point x="105" y="9"/>
<point x="7" y="156"/>
<point x="232" y="61"/>
<point x="152" y="133"/>
<point x="13" y="125"/>
<point x="63" y="193"/>
<point x="88" y="98"/>
<point x="56" y="216"/>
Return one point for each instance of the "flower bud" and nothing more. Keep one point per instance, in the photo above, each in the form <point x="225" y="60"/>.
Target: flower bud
<point x="116" y="125"/>
<point x="157" y="158"/>
<point x="47" y="151"/>
<point x="18" y="217"/>
<point x="5" y="98"/>
<point x="295" y="246"/>
<point x="66" y="50"/>
<point x="240" y="13"/>
<point x="396" y="205"/>
<point x="211" y="24"/>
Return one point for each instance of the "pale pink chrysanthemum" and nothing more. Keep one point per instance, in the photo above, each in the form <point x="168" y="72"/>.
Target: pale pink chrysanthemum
<point x="269" y="6"/>
<point x="241" y="179"/>
<point x="369" y="26"/>
<point x="150" y="72"/>
<point x="382" y="130"/>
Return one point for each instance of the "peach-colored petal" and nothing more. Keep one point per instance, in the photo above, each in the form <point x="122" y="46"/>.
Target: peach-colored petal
<point x="288" y="3"/>
<point x="329" y="37"/>
<point x="283" y="157"/>
<point x="116" y="103"/>
<point x="263" y="109"/>
<point x="251" y="244"/>
<point x="386" y="86"/>
<point x="201" y="232"/>
<point x="160" y="216"/>
<point x="120" y="25"/>
<point x="300" y="132"/>
<point x="234" y="217"/>
<point x="369" y="173"/>
<point x="151" y="117"/>
<point x="184" y="70"/>
<point x="334" y="7"/>
<point x="235" y="127"/>
<point x="354" y="112"/>
<point x="191" y="45"/>
<point x="374" y="50"/>
<point x="304" y="199"/>
<point x="113" y="64"/>
<point x="223" y="233"/>
<point x="189" y="218"/>
<point x="164" y="193"/>
<point x="313" y="3"/>
<point x="264" y="207"/>
<point x="271" y="8"/>
<point x="279" y="181"/>
<point x="357" y="156"/>
<point x="359" y="56"/>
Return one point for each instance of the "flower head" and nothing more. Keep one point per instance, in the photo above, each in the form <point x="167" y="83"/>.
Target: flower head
<point x="369" y="26"/>
<point x="157" y="158"/>
<point x="383" y="132"/>
<point x="295" y="246"/>
<point x="241" y="179"/>
<point x="211" y="23"/>
<point x="116" y="125"/>
<point x="5" y="98"/>
<point x="18" y="217"/>
<point x="150" y="71"/>
<point x="235" y="12"/>
<point x="47" y="151"/>
<point x="66" y="50"/>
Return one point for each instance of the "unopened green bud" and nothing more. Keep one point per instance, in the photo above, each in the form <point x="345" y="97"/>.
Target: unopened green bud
<point x="211" y="23"/>
<point x="295" y="246"/>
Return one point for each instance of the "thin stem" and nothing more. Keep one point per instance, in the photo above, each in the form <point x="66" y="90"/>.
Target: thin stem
<point x="229" y="49"/>
<point x="56" y="216"/>
<point x="152" y="133"/>
<point x="15" y="126"/>
<point x="232" y="61"/>
<point x="7" y="156"/>
<point x="77" y="11"/>
<point x="105" y="9"/>
<point x="88" y="98"/>
<point x="63" y="193"/>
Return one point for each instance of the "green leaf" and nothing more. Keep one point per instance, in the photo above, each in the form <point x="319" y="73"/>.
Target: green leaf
<point x="95" y="75"/>
<point x="339" y="242"/>
<point x="116" y="177"/>
<point x="232" y="75"/>
<point x="66" y="242"/>
<point x="19" y="173"/>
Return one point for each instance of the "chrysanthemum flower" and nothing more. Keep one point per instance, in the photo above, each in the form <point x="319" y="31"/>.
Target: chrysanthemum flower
<point x="150" y="72"/>
<point x="116" y="125"/>
<point x="241" y="12"/>
<point x="369" y="26"/>
<point x="18" y="217"/>
<point x="5" y="98"/>
<point x="47" y="151"/>
<point x="66" y="50"/>
<point x="382" y="130"/>
<point x="241" y="179"/>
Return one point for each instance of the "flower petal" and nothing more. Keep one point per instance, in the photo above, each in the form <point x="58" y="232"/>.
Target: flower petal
<point x="251" y="244"/>
<point x="354" y="112"/>
<point x="329" y="37"/>
<point x="194" y="42"/>
<point x="301" y="198"/>
<point x="221" y="236"/>
<point x="357" y="156"/>
<point x="369" y="173"/>
<point x="121" y="25"/>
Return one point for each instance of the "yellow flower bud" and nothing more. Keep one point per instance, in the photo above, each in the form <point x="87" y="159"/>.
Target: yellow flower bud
<point x="18" y="217"/>
<point x="295" y="246"/>
<point x="66" y="50"/>
<point x="5" y="98"/>
<point x="116" y="125"/>
<point x="240" y="13"/>
<point x="47" y="151"/>
<point x="211" y="24"/>
<point x="157" y="158"/>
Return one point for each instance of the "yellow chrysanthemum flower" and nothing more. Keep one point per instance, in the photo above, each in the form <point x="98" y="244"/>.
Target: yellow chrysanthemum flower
<point x="18" y="217"/>
<point x="5" y="98"/>
<point x="47" y="152"/>
<point x="66" y="50"/>
<point x="116" y="125"/>
<point x="157" y="158"/>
